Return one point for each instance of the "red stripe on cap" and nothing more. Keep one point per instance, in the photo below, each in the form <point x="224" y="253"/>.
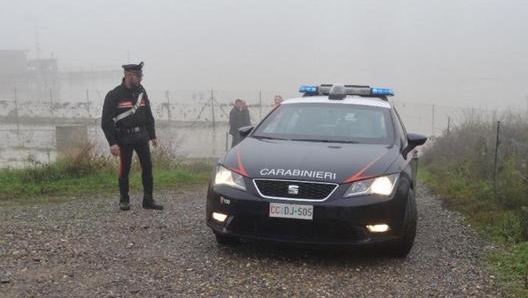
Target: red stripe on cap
<point x="359" y="175"/>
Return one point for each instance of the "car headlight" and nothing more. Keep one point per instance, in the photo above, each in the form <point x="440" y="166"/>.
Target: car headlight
<point x="382" y="185"/>
<point x="230" y="178"/>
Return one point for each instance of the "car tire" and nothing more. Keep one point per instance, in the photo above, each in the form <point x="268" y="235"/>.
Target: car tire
<point x="403" y="246"/>
<point x="226" y="240"/>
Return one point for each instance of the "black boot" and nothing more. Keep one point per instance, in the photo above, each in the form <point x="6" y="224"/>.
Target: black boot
<point x="148" y="201"/>
<point x="124" y="199"/>
<point x="124" y="204"/>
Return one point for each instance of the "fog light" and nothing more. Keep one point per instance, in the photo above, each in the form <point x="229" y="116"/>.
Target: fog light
<point x="378" y="228"/>
<point x="219" y="216"/>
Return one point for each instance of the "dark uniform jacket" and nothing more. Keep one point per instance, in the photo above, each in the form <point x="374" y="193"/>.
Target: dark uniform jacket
<point x="120" y="100"/>
<point x="235" y="121"/>
<point x="246" y="119"/>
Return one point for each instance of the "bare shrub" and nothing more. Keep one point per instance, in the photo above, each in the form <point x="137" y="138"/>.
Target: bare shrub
<point x="469" y="155"/>
<point x="74" y="164"/>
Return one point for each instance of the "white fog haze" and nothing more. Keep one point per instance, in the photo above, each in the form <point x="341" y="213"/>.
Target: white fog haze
<point x="459" y="53"/>
<point x="163" y="148"/>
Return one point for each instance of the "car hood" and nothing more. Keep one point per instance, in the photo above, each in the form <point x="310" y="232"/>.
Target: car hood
<point x="309" y="161"/>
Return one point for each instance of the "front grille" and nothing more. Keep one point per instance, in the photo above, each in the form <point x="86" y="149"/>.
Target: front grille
<point x="306" y="190"/>
<point x="297" y="230"/>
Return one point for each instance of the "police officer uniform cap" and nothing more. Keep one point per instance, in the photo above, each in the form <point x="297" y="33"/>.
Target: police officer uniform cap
<point x="133" y="67"/>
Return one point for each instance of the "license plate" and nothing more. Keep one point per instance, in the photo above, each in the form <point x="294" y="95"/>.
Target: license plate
<point x="291" y="211"/>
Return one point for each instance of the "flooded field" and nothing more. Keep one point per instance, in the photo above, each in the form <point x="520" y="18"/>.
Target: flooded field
<point x="33" y="143"/>
<point x="28" y="130"/>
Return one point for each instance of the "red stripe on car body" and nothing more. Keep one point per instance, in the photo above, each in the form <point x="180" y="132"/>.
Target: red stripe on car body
<point x="359" y="175"/>
<point x="240" y="166"/>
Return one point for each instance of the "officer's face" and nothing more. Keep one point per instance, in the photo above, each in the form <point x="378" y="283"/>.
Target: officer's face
<point x="134" y="78"/>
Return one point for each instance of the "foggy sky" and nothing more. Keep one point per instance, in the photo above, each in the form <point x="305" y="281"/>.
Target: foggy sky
<point x="462" y="53"/>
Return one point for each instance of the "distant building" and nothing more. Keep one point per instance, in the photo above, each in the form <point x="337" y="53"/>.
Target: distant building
<point x="32" y="79"/>
<point x="41" y="79"/>
<point x="97" y="80"/>
<point x="14" y="72"/>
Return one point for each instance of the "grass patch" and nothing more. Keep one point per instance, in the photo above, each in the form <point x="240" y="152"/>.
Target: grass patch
<point x="16" y="189"/>
<point x="504" y="228"/>
<point x="489" y="187"/>
<point x="90" y="173"/>
<point x="511" y="265"/>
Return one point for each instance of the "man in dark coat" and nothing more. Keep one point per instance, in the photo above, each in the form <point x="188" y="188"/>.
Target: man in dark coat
<point x="235" y="121"/>
<point x="246" y="118"/>
<point x="128" y="125"/>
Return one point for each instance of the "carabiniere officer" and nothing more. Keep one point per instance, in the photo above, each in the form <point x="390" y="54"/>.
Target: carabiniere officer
<point x="128" y="126"/>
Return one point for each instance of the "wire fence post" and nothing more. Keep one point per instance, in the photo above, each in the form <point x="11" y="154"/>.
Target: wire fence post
<point x="52" y="128"/>
<point x="51" y="107"/>
<point x="448" y="125"/>
<point x="213" y="122"/>
<point x="260" y="104"/>
<point x="88" y="103"/>
<point x="526" y="97"/>
<point x="497" y="143"/>
<point x="16" y="117"/>
<point x="433" y="120"/>
<point x="169" y="118"/>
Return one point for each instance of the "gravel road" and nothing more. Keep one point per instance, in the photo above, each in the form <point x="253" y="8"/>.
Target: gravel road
<point x="87" y="248"/>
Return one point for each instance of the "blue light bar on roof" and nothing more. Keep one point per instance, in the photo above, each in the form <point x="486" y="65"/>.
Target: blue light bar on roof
<point x="381" y="91"/>
<point x="308" y="89"/>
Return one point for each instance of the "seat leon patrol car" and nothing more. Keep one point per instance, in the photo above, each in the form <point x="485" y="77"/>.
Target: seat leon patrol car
<point x="332" y="167"/>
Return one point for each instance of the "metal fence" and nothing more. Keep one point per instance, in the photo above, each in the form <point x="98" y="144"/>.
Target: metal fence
<point x="191" y="123"/>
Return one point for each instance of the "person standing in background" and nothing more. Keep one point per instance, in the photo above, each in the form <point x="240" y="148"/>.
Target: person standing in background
<point x="235" y="121"/>
<point x="277" y="99"/>
<point x="246" y="118"/>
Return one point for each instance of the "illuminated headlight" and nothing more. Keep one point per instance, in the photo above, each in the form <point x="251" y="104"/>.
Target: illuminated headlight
<point x="382" y="185"/>
<point x="230" y="178"/>
<point x="381" y="228"/>
<point x="220" y="217"/>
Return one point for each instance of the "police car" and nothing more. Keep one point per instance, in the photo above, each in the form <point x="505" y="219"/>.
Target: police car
<point x="333" y="167"/>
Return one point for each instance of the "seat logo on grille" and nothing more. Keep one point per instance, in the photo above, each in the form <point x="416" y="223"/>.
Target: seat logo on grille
<point x="293" y="189"/>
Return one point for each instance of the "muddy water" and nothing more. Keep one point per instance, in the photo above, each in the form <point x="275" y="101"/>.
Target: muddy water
<point x="28" y="144"/>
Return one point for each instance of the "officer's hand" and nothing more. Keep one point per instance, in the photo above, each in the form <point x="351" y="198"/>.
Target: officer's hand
<point x="155" y="142"/>
<point x="114" y="149"/>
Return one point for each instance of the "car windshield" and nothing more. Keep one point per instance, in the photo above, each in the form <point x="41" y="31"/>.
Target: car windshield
<point x="328" y="122"/>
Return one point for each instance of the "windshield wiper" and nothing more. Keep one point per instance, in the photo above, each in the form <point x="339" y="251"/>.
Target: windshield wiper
<point x="346" y="142"/>
<point x="326" y="141"/>
<point x="309" y="140"/>
<point x="267" y="138"/>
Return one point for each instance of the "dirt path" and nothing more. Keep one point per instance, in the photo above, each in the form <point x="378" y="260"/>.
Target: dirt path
<point x="87" y="248"/>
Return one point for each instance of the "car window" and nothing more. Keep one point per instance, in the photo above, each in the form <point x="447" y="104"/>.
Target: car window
<point x="328" y="122"/>
<point x="400" y="129"/>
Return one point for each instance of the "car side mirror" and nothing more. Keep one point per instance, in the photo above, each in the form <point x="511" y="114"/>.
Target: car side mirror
<point x="244" y="131"/>
<point x="414" y="140"/>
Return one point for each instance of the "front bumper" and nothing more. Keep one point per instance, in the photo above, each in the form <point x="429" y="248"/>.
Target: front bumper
<point x="336" y="221"/>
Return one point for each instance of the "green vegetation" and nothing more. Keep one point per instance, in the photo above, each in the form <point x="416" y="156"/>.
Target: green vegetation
<point x="88" y="172"/>
<point x="460" y="166"/>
